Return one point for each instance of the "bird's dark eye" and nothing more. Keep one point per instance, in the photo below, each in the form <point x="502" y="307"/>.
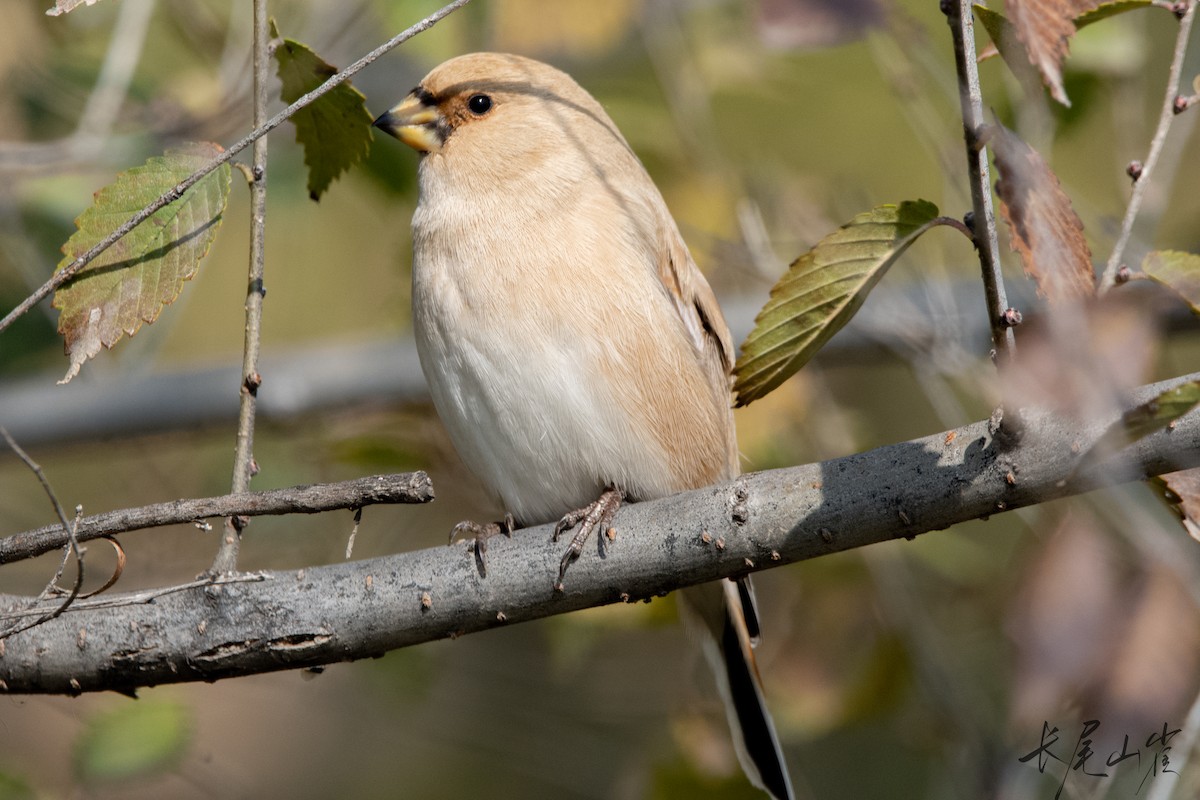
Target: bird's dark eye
<point x="479" y="104"/>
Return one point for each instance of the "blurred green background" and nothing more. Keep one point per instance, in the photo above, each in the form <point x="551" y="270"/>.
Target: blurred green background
<point x="919" y="669"/>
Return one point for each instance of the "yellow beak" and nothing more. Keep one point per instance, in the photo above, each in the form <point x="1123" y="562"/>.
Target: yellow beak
<point x="420" y="126"/>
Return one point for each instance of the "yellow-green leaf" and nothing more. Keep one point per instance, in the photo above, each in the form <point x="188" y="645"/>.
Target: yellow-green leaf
<point x="1178" y="271"/>
<point x="133" y="740"/>
<point x="821" y="291"/>
<point x="1045" y="230"/>
<point x="335" y="129"/>
<point x="131" y="281"/>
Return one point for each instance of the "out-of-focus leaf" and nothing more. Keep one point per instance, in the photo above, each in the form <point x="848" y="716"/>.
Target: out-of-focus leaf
<point x="1045" y="230"/>
<point x="1110" y="9"/>
<point x="135" y="739"/>
<point x="1151" y="677"/>
<point x="1062" y="621"/>
<point x="821" y="291"/>
<point x="66" y="6"/>
<point x="881" y="682"/>
<point x="1011" y="47"/>
<point x="1145" y="419"/>
<point x="14" y="788"/>
<point x="1178" y="271"/>
<point x="578" y="27"/>
<point x="1003" y="36"/>
<point x="707" y="766"/>
<point x="1045" y="27"/>
<point x="1182" y="492"/>
<point x="1079" y="363"/>
<point x="335" y="129"/>
<point x="815" y="23"/>
<point x="131" y="281"/>
<point x="1114" y="640"/>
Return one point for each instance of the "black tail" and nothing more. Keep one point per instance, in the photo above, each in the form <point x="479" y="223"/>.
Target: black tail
<point x="726" y="611"/>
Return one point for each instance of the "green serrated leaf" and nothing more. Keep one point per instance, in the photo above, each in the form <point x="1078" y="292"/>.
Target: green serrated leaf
<point x="335" y="129"/>
<point x="130" y="282"/>
<point x="1178" y="271"/>
<point x="821" y="291"/>
<point x="135" y="739"/>
<point x="1140" y="422"/>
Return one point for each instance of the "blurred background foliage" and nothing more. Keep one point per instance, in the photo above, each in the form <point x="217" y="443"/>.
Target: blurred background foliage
<point x="919" y="669"/>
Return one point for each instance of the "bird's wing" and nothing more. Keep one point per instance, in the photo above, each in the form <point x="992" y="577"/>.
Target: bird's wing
<point x="701" y="316"/>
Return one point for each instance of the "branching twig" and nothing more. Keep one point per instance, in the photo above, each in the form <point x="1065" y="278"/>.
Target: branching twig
<point x="72" y="269"/>
<point x="405" y="487"/>
<point x="360" y="609"/>
<point x="962" y="29"/>
<point x="1109" y="278"/>
<point x="69" y="530"/>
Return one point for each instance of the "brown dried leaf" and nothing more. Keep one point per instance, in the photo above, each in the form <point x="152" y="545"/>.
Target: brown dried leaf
<point x="1182" y="492"/>
<point x="1113" y="640"/>
<point x="1045" y="230"/>
<point x="1152" y="673"/>
<point x="1045" y="27"/>
<point x="1061" y="625"/>
<point x="815" y="23"/>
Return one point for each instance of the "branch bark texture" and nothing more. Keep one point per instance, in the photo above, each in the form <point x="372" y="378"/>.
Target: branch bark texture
<point x="281" y="620"/>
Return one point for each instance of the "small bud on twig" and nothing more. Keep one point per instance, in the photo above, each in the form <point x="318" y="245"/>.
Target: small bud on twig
<point x="1134" y="170"/>
<point x="1123" y="274"/>
<point x="1011" y="318"/>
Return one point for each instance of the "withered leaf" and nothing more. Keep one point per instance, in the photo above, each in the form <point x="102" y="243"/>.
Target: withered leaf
<point x="1182" y="493"/>
<point x="1045" y="231"/>
<point x="1045" y="27"/>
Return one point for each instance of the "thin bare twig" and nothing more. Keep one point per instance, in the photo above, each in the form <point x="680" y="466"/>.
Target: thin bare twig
<point x="962" y="29"/>
<point x="71" y="541"/>
<point x="405" y="487"/>
<point x="170" y="196"/>
<point x="244" y="464"/>
<point x="1109" y="278"/>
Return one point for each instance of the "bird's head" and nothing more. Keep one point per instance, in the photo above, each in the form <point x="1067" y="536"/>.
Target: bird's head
<point x="493" y="112"/>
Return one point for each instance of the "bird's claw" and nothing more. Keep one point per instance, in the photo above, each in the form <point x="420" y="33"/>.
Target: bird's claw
<point x="597" y="514"/>
<point x="480" y="533"/>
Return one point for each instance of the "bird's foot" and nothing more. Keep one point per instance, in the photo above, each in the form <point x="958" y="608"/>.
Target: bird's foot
<point x="480" y="533"/>
<point x="597" y="514"/>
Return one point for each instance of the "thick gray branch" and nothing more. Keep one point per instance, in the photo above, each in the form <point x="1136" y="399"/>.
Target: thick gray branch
<point x="405" y="487"/>
<point x="281" y="620"/>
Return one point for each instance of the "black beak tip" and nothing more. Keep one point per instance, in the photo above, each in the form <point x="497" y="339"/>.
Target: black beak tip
<point x="386" y="122"/>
